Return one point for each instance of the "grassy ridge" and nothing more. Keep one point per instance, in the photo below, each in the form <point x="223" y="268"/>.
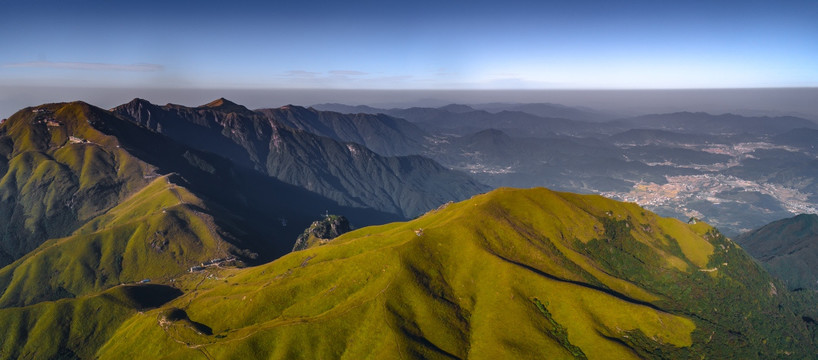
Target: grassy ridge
<point x="86" y="208"/>
<point x="508" y="274"/>
<point x="158" y="233"/>
<point x="87" y="211"/>
<point x="74" y="328"/>
<point x="70" y="182"/>
<point x="619" y="282"/>
<point x="59" y="171"/>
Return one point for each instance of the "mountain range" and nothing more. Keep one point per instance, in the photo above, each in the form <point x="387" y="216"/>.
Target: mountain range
<point x="463" y="119"/>
<point x="380" y="133"/>
<point x="546" y="110"/>
<point x="543" y="119"/>
<point x="704" y="123"/>
<point x="170" y="232"/>
<point x="105" y="201"/>
<point x="549" y="110"/>
<point x="348" y="173"/>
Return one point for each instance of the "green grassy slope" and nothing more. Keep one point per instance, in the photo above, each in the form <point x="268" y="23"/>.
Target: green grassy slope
<point x="158" y="233"/>
<point x="85" y="207"/>
<point x="512" y="273"/>
<point x="74" y="328"/>
<point x="59" y="172"/>
<point x="509" y="274"/>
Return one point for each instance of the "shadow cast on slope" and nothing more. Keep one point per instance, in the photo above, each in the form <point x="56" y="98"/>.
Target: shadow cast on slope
<point x="264" y="215"/>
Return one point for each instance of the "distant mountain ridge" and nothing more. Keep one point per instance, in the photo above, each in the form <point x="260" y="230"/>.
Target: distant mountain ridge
<point x="540" y="118"/>
<point x="514" y="122"/>
<point x="348" y="109"/>
<point x="549" y="110"/>
<point x="457" y="108"/>
<point x="704" y="123"/>
<point x="463" y="119"/>
<point x="380" y="133"/>
<point x="348" y="173"/>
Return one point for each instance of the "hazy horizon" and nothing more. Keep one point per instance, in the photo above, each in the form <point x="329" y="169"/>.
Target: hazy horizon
<point x="751" y="102"/>
<point x="724" y="56"/>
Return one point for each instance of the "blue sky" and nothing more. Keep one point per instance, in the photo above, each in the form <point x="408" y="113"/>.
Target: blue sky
<point x="410" y="45"/>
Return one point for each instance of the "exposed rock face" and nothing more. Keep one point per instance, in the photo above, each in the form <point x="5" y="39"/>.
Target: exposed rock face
<point x="273" y="143"/>
<point x="322" y="231"/>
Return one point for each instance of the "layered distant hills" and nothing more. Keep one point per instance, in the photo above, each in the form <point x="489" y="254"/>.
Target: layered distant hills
<point x="542" y="119"/>
<point x="737" y="172"/>
<point x="462" y="120"/>
<point x="703" y="123"/>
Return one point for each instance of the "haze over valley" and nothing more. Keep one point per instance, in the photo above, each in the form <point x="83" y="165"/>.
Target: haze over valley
<point x="736" y="172"/>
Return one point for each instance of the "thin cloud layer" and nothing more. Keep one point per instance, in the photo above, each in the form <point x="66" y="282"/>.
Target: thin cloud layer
<point x="336" y="79"/>
<point x="141" y="67"/>
<point x="348" y="72"/>
<point x="301" y="74"/>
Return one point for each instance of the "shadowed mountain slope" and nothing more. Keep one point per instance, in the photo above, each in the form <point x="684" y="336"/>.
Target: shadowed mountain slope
<point x="348" y="173"/>
<point x="183" y="207"/>
<point x="788" y="248"/>
<point x="380" y="133"/>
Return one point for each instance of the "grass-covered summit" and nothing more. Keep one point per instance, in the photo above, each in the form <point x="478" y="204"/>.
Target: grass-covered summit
<point x="89" y="200"/>
<point x="94" y="203"/>
<point x="508" y="274"/>
<point x="58" y="171"/>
